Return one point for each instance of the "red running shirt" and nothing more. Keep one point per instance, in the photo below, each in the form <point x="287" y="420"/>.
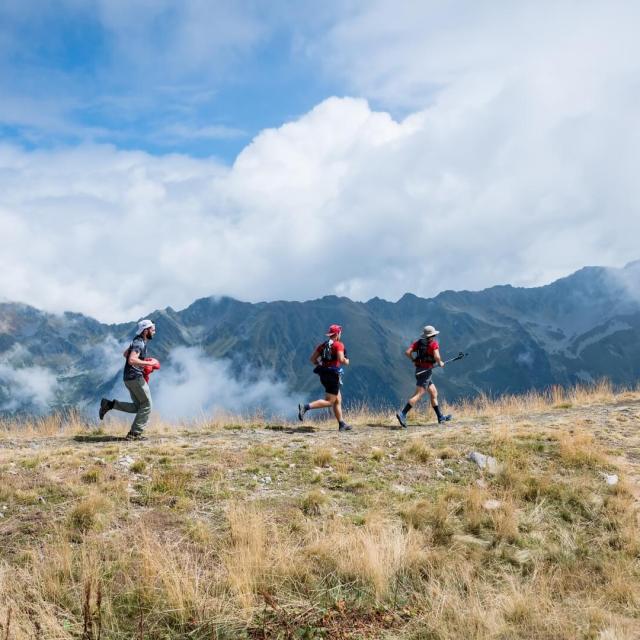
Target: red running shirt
<point x="336" y="347"/>
<point x="431" y="347"/>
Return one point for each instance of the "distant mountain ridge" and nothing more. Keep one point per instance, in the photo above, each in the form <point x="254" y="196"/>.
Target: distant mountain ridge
<point x="577" y="329"/>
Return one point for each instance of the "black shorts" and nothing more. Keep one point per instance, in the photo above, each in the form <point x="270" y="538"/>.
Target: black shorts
<point x="423" y="378"/>
<point x="330" y="381"/>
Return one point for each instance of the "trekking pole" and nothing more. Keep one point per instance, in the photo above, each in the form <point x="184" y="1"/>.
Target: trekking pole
<point x="458" y="357"/>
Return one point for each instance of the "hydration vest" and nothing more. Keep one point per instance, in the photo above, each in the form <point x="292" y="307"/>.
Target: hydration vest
<point x="422" y="352"/>
<point x="326" y="353"/>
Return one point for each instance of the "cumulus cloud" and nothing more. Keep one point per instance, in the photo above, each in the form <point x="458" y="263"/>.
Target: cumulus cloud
<point x="191" y="385"/>
<point x="105" y="358"/>
<point x="627" y="280"/>
<point x="28" y="388"/>
<point x="345" y="200"/>
<point x="513" y="160"/>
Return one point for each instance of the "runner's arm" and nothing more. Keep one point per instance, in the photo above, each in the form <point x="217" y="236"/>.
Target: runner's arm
<point x="438" y="358"/>
<point x="409" y="353"/>
<point x="314" y="356"/>
<point x="134" y="360"/>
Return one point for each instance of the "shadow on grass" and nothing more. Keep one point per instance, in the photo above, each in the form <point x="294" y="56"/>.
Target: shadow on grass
<point x="382" y="425"/>
<point x="98" y="437"/>
<point x="285" y="429"/>
<point x="397" y="427"/>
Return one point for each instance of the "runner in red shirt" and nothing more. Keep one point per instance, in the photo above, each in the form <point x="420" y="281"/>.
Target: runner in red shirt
<point x="427" y="354"/>
<point x="328" y="358"/>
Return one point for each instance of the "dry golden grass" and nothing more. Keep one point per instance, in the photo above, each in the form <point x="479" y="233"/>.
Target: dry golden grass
<point x="322" y="457"/>
<point x="538" y="401"/>
<point x="377" y="534"/>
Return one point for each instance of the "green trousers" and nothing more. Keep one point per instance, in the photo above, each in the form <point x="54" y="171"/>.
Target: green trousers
<point x="140" y="404"/>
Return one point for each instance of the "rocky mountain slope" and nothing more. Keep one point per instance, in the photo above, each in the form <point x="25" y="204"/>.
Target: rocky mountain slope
<point x="577" y="329"/>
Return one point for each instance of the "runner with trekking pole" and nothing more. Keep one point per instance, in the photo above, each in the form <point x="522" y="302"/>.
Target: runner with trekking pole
<point x="427" y="354"/>
<point x="329" y="357"/>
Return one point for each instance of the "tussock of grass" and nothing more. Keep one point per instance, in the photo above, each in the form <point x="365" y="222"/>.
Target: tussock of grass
<point x="313" y="502"/>
<point x="88" y="513"/>
<point x="419" y="451"/>
<point x="377" y="454"/>
<point x="92" y="476"/>
<point x="322" y="457"/>
<point x="138" y="466"/>
<point x="372" y="555"/>
<point x="580" y="449"/>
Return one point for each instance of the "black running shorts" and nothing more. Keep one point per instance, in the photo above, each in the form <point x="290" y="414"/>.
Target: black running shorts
<point x="331" y="382"/>
<point x="423" y="378"/>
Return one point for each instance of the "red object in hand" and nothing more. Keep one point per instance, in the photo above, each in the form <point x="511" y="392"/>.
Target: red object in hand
<point x="149" y="368"/>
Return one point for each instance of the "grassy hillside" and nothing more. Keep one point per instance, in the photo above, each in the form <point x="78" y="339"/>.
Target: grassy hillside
<point x="241" y="529"/>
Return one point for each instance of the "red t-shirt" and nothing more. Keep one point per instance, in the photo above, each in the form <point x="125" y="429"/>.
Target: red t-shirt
<point x="432" y="345"/>
<point x="336" y="347"/>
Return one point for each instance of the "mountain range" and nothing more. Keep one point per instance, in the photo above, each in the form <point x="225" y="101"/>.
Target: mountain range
<point x="577" y="329"/>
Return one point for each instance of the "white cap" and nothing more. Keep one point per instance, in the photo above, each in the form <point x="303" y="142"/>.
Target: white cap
<point x="144" y="324"/>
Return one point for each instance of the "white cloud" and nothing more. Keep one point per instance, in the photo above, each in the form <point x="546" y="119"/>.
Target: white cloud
<point x="32" y="388"/>
<point x="107" y="357"/>
<point x="516" y="163"/>
<point x="191" y="385"/>
<point x="415" y="53"/>
<point x="628" y="280"/>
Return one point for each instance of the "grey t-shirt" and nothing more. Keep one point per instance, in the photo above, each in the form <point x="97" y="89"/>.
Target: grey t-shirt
<point x="131" y="372"/>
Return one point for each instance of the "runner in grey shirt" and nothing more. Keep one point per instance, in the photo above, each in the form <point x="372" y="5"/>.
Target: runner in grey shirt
<point x="134" y="381"/>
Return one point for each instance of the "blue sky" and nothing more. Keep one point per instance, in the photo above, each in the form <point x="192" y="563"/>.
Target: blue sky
<point x="76" y="72"/>
<point x="290" y="150"/>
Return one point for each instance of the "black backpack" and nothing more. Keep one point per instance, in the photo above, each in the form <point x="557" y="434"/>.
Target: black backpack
<point x="422" y="352"/>
<point x="326" y="353"/>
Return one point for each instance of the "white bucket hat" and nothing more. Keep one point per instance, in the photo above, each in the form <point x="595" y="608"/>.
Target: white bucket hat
<point x="429" y="331"/>
<point x="144" y="324"/>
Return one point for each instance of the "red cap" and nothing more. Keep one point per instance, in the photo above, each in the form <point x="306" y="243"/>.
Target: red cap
<point x="334" y="329"/>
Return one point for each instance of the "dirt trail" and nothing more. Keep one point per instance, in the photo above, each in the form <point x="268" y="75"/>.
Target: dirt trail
<point x="615" y="425"/>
